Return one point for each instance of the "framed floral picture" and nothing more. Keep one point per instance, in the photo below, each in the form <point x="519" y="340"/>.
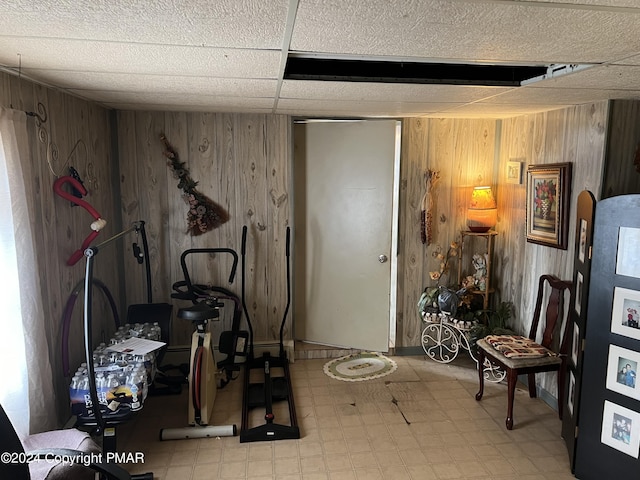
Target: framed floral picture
<point x="548" y="196"/>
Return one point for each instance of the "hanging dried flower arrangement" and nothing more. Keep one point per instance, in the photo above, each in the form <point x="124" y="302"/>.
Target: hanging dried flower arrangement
<point x="426" y="207"/>
<point x="204" y="214"/>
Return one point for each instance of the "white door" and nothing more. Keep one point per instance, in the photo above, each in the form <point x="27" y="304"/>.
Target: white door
<point x="344" y="174"/>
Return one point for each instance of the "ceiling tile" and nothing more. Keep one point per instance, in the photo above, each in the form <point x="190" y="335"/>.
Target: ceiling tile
<point x="311" y="89"/>
<point x="559" y="96"/>
<point x="138" y="58"/>
<point x="141" y="98"/>
<point x="222" y="23"/>
<point x="162" y="107"/>
<point x="479" y="110"/>
<point x="464" y="30"/>
<point x="611" y="77"/>
<point x="327" y="107"/>
<point x="157" y="83"/>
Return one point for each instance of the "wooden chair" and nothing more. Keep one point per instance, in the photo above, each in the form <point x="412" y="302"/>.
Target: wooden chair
<point x="522" y="355"/>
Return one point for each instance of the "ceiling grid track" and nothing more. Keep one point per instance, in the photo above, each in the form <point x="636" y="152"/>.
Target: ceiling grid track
<point x="286" y="44"/>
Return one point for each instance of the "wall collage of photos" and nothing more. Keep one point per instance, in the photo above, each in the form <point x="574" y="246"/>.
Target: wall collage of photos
<point x="603" y="392"/>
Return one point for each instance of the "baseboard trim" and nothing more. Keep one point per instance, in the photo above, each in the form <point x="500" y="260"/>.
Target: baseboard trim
<point x="408" y="351"/>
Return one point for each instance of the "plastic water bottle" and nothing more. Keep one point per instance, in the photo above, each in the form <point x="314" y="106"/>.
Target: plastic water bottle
<point x="157" y="332"/>
<point x="134" y="383"/>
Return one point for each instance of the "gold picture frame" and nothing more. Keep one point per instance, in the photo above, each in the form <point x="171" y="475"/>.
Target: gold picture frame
<point x="548" y="197"/>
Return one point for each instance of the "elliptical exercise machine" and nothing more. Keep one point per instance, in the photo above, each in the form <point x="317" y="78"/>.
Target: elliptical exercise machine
<point x="203" y="369"/>
<point x="268" y="388"/>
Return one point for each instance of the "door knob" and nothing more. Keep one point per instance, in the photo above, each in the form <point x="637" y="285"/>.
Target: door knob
<point x="382" y="258"/>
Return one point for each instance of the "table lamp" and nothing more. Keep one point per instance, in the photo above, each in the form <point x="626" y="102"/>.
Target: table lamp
<point x="482" y="214"/>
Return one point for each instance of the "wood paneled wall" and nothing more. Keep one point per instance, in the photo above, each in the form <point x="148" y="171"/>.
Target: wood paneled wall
<point x="463" y="153"/>
<point x="576" y="135"/>
<point x="622" y="170"/>
<point x="60" y="228"/>
<point x="241" y="162"/>
<point x="469" y="153"/>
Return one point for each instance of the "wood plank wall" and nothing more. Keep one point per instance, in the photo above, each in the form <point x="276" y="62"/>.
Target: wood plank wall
<point x="576" y="135"/>
<point x="241" y="162"/>
<point x="622" y="174"/>
<point x="61" y="228"/>
<point x="463" y="153"/>
<point x="466" y="155"/>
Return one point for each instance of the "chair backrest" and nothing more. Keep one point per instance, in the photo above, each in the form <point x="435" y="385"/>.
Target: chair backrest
<point x="553" y="313"/>
<point x="10" y="444"/>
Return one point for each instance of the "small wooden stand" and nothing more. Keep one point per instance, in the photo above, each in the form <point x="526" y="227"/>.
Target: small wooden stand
<point x="489" y="237"/>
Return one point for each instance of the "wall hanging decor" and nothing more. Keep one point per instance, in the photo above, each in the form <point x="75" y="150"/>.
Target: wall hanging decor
<point x="514" y="171"/>
<point x="548" y="195"/>
<point x="204" y="214"/>
<point x="426" y="207"/>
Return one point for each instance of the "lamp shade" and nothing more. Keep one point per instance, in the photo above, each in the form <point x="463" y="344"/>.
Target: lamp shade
<point x="482" y="214"/>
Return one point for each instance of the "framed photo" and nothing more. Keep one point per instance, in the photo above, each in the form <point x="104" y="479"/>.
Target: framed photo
<point x="572" y="392"/>
<point x="579" y="289"/>
<point x="625" y="315"/>
<point x="514" y="172"/>
<point x="582" y="245"/>
<point x="622" y="369"/>
<point x="621" y="428"/>
<point x="575" y="344"/>
<point x="628" y="255"/>
<point x="548" y="196"/>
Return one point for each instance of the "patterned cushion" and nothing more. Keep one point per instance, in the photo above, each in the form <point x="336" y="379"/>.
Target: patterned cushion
<point x="516" y="346"/>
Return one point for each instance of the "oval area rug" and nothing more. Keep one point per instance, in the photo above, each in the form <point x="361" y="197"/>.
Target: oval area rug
<point x="358" y="367"/>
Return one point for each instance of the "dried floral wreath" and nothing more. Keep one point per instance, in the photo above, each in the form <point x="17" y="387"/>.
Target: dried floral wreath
<point x="204" y="214"/>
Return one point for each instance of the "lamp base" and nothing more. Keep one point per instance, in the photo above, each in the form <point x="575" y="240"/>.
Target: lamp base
<point x="481" y="219"/>
<point x="479" y="229"/>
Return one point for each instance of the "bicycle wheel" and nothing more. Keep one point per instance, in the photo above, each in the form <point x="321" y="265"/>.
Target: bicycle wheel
<point x="440" y="342"/>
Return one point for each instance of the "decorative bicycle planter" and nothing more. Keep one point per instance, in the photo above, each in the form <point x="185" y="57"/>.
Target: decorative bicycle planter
<point x="443" y="338"/>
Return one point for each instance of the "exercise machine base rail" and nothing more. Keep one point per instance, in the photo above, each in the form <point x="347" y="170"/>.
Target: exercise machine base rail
<point x="262" y="395"/>
<point x="198" y="431"/>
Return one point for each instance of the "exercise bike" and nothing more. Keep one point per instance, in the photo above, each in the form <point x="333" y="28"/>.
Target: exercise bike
<point x="203" y="369"/>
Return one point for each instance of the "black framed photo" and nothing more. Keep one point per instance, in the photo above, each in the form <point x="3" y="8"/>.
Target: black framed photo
<point x="625" y="314"/>
<point x="622" y="368"/>
<point x="620" y="428"/>
<point x="579" y="292"/>
<point x="582" y="244"/>
<point x="548" y="198"/>
<point x="575" y="344"/>
<point x="571" y="397"/>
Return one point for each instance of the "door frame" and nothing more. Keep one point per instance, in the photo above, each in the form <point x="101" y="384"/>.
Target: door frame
<point x="395" y="202"/>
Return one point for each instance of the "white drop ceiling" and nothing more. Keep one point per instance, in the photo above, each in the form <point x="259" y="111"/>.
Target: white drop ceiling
<point x="230" y="55"/>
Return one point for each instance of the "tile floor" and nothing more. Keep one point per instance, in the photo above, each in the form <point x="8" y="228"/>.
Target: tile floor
<point x="421" y="422"/>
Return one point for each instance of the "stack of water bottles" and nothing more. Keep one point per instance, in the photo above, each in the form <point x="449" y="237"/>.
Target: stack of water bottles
<point x="122" y="379"/>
